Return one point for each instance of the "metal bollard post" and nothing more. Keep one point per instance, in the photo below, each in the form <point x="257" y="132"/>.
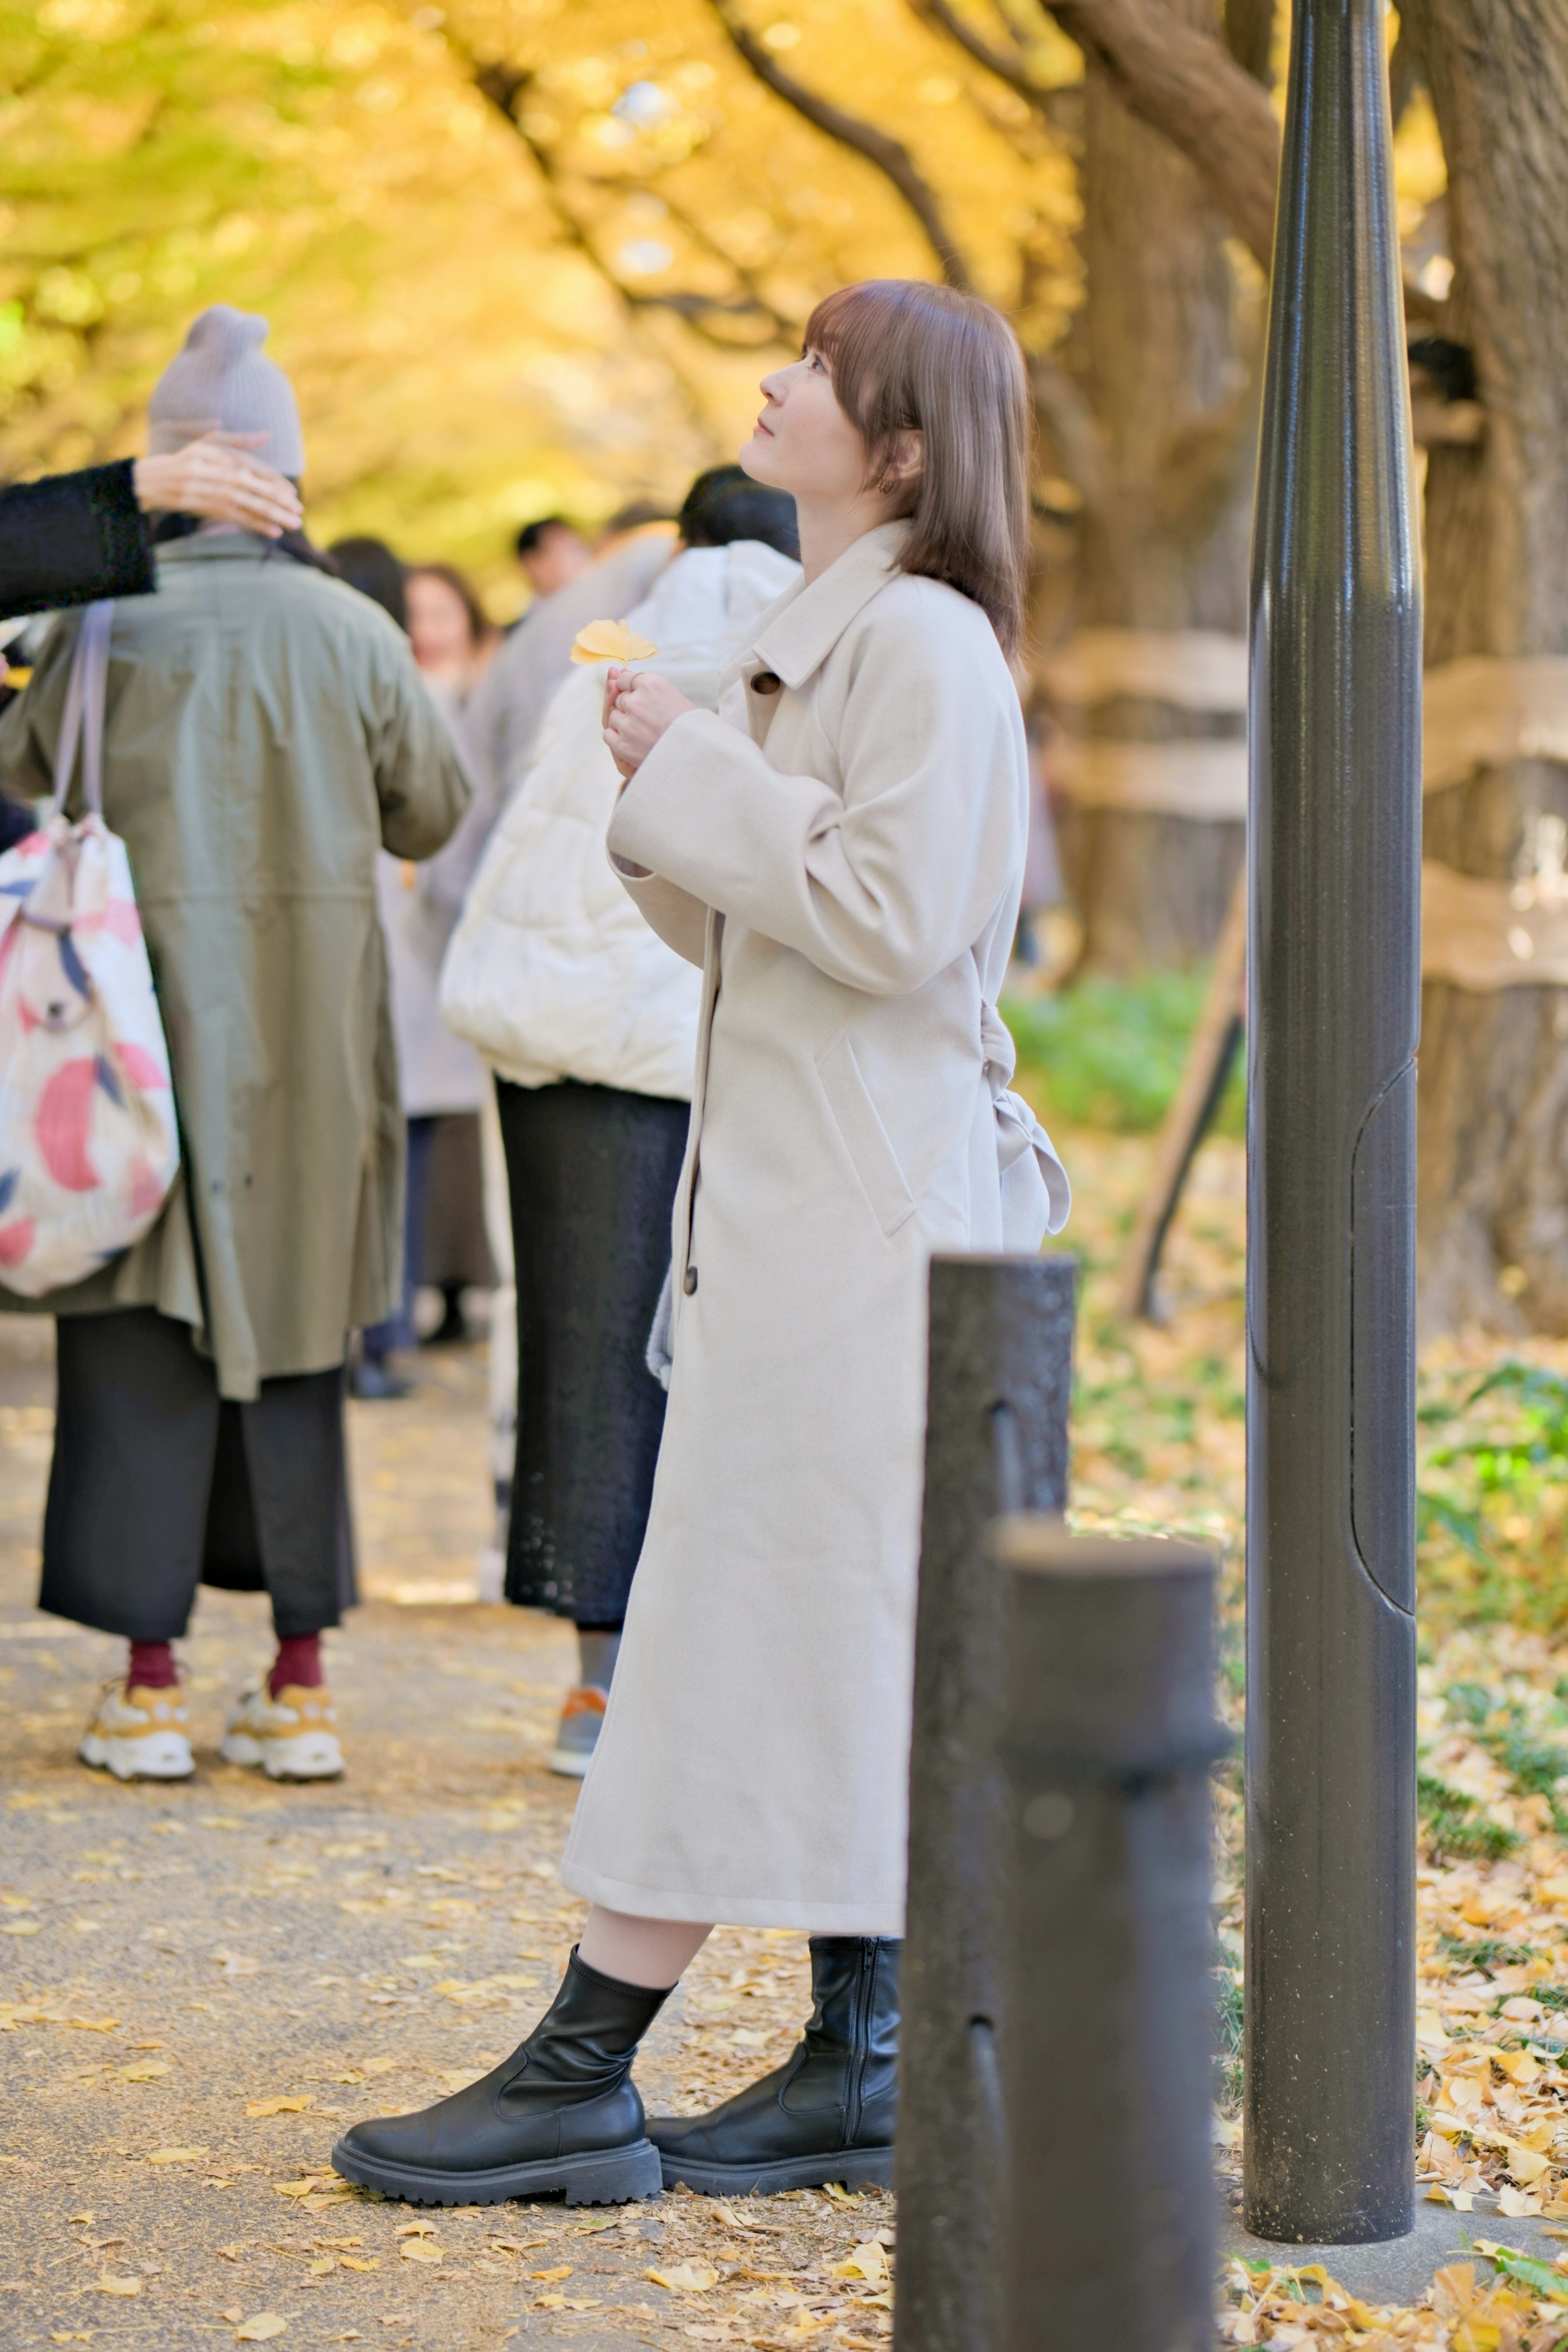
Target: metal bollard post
<point x="1334" y="960"/>
<point x="1106" y="2048"/>
<point x="1000" y="1383"/>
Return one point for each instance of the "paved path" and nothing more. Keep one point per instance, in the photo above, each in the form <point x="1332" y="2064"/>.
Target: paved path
<point x="172" y="1957"/>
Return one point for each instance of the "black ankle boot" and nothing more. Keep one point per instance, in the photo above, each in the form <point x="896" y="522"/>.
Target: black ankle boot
<point x="561" y="2113"/>
<point x="828" y="2113"/>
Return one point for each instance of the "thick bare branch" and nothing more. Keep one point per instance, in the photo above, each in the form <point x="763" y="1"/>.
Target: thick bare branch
<point x="1008" y="64"/>
<point x="891" y="157"/>
<point x="1186" y="84"/>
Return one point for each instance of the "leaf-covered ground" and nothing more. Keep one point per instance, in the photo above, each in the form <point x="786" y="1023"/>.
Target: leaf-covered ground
<point x="199" y="1985"/>
<point x="1159" y="1443"/>
<point x="202" y="1984"/>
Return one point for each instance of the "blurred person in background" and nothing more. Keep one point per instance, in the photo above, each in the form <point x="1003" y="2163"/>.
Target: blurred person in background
<point x="505" y="712"/>
<point x="453" y="637"/>
<point x="499" y="725"/>
<point x="442" y="1083"/>
<point x="551" y="552"/>
<point x="265" y="732"/>
<point x="590" y="1023"/>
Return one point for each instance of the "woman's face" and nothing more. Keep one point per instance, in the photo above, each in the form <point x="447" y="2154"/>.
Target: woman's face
<point x="803" y="442"/>
<point x="438" y="626"/>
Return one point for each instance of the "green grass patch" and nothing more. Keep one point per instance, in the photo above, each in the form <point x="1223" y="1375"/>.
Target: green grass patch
<point x="1452" y="1825"/>
<point x="1109" y="1053"/>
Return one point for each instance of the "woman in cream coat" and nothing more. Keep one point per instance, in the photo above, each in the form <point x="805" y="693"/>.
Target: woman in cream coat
<point x="841" y="848"/>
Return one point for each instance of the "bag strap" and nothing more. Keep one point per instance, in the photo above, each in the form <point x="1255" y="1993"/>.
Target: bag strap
<point x="82" y="720"/>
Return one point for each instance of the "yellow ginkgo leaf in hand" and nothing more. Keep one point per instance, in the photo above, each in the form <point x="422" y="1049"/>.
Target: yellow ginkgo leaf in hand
<point x="610" y="641"/>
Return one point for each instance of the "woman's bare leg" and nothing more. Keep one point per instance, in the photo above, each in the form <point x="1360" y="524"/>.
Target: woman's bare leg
<point x="654" y="1953"/>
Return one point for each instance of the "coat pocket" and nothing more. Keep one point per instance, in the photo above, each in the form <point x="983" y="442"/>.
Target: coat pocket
<point x="855" y="1115"/>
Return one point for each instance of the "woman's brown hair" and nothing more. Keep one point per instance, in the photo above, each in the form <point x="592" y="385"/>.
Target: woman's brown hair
<point x="907" y="356"/>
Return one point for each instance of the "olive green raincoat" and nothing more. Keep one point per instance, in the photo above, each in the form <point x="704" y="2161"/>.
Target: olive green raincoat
<point x="266" y="731"/>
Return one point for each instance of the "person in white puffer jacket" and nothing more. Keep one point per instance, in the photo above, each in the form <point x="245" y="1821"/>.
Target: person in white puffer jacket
<point x="590" y="1024"/>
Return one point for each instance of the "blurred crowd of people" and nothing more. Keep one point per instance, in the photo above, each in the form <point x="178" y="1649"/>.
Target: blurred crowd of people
<point x="535" y="1105"/>
<point x="658" y="939"/>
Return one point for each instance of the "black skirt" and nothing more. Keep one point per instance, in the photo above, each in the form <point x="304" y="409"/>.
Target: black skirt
<point x="592" y="1173"/>
<point x="158" y="1484"/>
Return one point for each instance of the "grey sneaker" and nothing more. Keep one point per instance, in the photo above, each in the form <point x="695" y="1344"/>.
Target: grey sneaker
<point x="577" y="1733"/>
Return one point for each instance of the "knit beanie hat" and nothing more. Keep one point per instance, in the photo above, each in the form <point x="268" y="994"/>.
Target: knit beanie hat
<point x="221" y="379"/>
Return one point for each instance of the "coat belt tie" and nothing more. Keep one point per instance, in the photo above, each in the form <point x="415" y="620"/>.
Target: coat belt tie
<point x="1032" y="1177"/>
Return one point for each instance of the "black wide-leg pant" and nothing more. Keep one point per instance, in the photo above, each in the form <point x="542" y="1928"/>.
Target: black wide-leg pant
<point x="592" y="1173"/>
<point x="159" y="1484"/>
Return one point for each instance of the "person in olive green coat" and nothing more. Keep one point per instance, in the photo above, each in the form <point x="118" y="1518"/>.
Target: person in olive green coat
<point x="266" y="732"/>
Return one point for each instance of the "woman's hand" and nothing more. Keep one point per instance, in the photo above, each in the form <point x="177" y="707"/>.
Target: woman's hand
<point x="638" y="708"/>
<point x="214" y="477"/>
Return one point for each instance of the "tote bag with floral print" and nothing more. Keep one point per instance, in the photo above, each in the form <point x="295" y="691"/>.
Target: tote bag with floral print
<point x="88" y="1145"/>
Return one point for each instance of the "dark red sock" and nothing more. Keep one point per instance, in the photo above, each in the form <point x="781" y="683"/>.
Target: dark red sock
<point x="298" y="1661"/>
<point x="152" y="1665"/>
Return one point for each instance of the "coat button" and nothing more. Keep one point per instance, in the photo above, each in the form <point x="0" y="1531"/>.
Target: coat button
<point x="766" y="682"/>
<point x="690" y="1282"/>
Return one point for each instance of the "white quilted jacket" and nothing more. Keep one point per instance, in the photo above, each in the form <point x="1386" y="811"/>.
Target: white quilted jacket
<point x="552" y="972"/>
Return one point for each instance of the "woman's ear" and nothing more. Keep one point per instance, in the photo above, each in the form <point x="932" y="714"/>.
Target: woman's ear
<point x="904" y="463"/>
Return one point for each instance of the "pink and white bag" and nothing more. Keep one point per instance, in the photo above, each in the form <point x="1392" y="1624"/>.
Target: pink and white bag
<point x="88" y="1144"/>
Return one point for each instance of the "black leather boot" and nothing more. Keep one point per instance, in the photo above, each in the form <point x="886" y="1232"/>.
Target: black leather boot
<point x="560" y="2115"/>
<point x="828" y="2113"/>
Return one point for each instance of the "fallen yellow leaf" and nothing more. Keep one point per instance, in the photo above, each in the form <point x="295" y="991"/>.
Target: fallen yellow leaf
<point x="109" y="2285"/>
<point x="610" y="641"/>
<point x="561" y="2270"/>
<point x="1525" y="2163"/>
<point x="420" y="2250"/>
<point x="94" y="2024"/>
<point x="178" y="2154"/>
<point x="867" y="2263"/>
<point x="146" y="2069"/>
<point x="257" y="2330"/>
<point x="353" y="2263"/>
<point x="21" y="1926"/>
<point x="322" y="2265"/>
<point x="685" y="2278"/>
<point x="280" y="2106"/>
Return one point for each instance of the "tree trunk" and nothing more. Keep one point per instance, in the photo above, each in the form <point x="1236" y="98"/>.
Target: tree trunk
<point x="1493" y="1150"/>
<point x="1164" y="535"/>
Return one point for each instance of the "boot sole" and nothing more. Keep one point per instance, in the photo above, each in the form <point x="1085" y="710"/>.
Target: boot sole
<point x="862" y="2168"/>
<point x="610" y="2177"/>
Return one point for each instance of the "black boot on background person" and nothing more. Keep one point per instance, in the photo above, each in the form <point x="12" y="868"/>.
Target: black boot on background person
<point x="828" y="2113"/>
<point x="560" y="2116"/>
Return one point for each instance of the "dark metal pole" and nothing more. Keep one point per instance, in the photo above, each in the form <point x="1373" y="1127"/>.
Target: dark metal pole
<point x="1000" y="1384"/>
<point x="1333" y="955"/>
<point x="1107" y="2045"/>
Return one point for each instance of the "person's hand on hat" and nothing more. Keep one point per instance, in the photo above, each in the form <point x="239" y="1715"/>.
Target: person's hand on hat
<point x="214" y="477"/>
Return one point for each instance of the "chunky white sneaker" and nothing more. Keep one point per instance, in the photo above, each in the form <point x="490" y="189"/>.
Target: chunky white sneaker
<point x="291" y="1736"/>
<point x="139" y="1735"/>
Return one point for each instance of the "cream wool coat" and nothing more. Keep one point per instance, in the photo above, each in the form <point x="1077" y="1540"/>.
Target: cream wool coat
<point x="845" y="855"/>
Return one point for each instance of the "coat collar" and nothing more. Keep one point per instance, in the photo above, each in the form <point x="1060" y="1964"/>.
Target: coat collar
<point x="215" y="546"/>
<point x="802" y="633"/>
